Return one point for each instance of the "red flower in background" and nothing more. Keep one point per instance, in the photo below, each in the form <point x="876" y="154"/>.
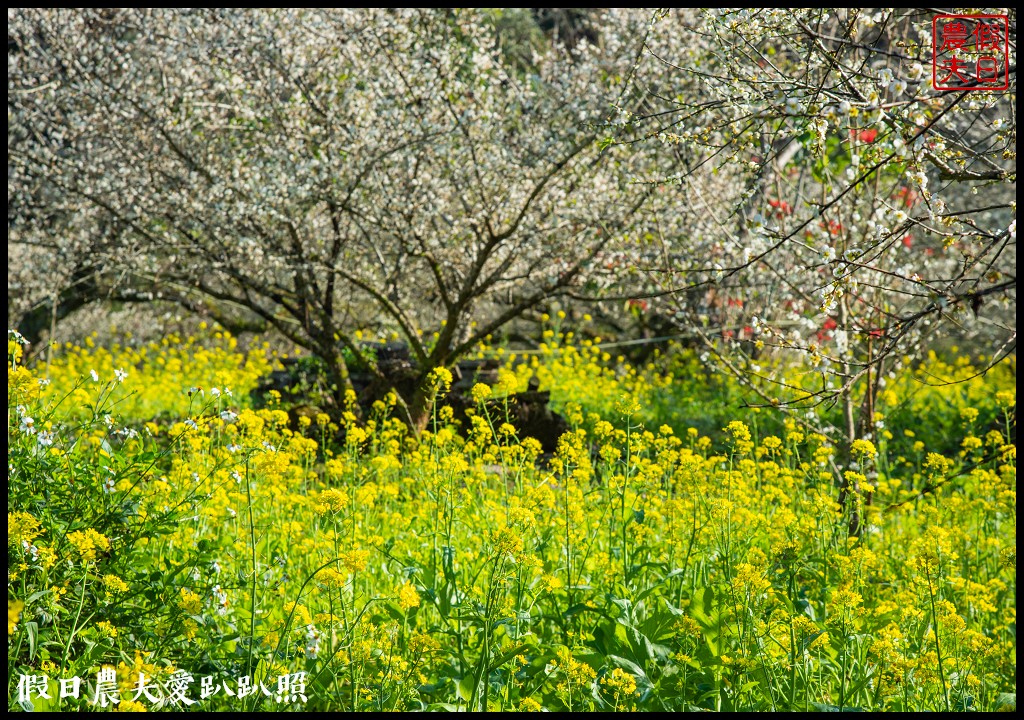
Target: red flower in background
<point x="781" y="207"/>
<point x="908" y="195"/>
<point x="826" y="328"/>
<point x="867" y="136"/>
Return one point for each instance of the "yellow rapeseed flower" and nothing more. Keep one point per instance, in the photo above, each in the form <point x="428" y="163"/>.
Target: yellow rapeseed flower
<point x="439" y="380"/>
<point x="14" y="609"/>
<point x="619" y="682"/>
<point x="21" y="527"/>
<point x="190" y="602"/>
<point x="355" y="560"/>
<point x="480" y="392"/>
<point x="21" y="386"/>
<point x="408" y="597"/>
<point x="863" y="448"/>
<point x="87" y="543"/>
<point x="302" y="617"/>
<point x="115" y="584"/>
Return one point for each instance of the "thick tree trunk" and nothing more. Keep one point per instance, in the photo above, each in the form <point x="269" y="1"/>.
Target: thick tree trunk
<point x="337" y="375"/>
<point x="79" y="292"/>
<point x="421" y="406"/>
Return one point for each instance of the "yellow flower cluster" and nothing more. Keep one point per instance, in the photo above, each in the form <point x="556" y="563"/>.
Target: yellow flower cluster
<point x="157" y="378"/>
<point x="190" y="602"/>
<point x="14" y="610"/>
<point x="709" y="545"/>
<point x="114" y="584"/>
<point x="619" y="683"/>
<point x="88" y="543"/>
<point x="408" y="598"/>
<point x="21" y="528"/>
<point x="22" y="386"/>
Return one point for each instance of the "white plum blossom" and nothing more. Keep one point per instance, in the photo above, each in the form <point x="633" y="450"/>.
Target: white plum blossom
<point x="30" y="549"/>
<point x="455" y="168"/>
<point x="220" y="600"/>
<point x="312" y="642"/>
<point x="841" y="338"/>
<point x="426" y="127"/>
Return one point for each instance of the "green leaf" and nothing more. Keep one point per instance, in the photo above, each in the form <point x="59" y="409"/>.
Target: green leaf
<point x="806" y="608"/>
<point x="431" y="688"/>
<point x="673" y="609"/>
<point x="464" y="690"/>
<point x="1006" y="702"/>
<point x="806" y="642"/>
<point x="32" y="631"/>
<point x="506" y="656"/>
<point x="260" y="673"/>
<point x="35" y="596"/>
<point x="630" y="666"/>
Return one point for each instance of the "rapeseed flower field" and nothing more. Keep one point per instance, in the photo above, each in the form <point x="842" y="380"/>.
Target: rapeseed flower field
<point x="171" y="546"/>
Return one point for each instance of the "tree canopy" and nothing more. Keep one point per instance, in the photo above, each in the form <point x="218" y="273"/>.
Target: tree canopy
<point x="772" y="181"/>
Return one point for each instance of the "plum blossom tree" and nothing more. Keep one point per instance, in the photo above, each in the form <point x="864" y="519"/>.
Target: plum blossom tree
<point x="835" y="206"/>
<point x="322" y="171"/>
